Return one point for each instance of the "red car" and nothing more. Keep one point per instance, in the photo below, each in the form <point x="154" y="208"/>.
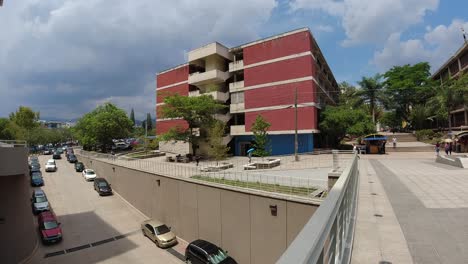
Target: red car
<point x="49" y="228"/>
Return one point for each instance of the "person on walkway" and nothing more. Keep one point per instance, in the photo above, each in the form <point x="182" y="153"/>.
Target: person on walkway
<point x="446" y="148"/>
<point x="354" y="148"/>
<point x="450" y="148"/>
<point x="437" y="148"/>
<point x="197" y="159"/>
<point x="394" y="140"/>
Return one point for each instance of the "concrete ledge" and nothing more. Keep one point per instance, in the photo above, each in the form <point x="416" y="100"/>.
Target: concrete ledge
<point x="453" y="161"/>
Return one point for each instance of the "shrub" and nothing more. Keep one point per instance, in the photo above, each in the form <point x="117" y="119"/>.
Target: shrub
<point x="424" y="134"/>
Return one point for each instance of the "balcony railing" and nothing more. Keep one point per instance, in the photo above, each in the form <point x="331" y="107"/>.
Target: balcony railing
<point x="213" y="76"/>
<point x="234" y="86"/>
<point x="237" y="130"/>
<point x="328" y="235"/>
<point x="236" y="65"/>
<point x="240" y="107"/>
<point x="13" y="143"/>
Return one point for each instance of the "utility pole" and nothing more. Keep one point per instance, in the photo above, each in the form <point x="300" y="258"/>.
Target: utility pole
<point x="296" y="157"/>
<point x="146" y="135"/>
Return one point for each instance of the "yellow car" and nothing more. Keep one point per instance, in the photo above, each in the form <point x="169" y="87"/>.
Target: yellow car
<point x="159" y="233"/>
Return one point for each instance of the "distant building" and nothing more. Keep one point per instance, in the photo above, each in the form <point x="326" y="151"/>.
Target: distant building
<point x="453" y="68"/>
<point x="257" y="78"/>
<point x="56" y="124"/>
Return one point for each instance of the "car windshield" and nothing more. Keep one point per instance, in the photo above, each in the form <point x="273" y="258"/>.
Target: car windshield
<point x="218" y="257"/>
<point x="79" y="164"/>
<point x="41" y="199"/>
<point x="102" y="184"/>
<point x="50" y="225"/>
<point x="50" y="163"/>
<point x="90" y="172"/>
<point x="36" y="176"/>
<point x="163" y="229"/>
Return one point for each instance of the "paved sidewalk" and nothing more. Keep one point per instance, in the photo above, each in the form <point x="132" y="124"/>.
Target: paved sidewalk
<point x="430" y="202"/>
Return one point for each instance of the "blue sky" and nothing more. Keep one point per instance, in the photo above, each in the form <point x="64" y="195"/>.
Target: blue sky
<point x="65" y="57"/>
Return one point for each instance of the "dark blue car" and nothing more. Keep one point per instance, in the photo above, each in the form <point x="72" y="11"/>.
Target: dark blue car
<point x="36" y="179"/>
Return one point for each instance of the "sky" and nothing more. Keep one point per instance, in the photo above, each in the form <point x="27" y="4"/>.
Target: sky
<point x="65" y="57"/>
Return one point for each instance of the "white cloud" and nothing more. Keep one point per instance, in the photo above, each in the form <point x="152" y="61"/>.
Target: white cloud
<point x="371" y="21"/>
<point x="437" y="45"/>
<point x="75" y="50"/>
<point x="323" y="28"/>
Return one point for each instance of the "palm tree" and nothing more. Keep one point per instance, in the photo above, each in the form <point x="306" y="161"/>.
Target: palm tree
<point x="371" y="92"/>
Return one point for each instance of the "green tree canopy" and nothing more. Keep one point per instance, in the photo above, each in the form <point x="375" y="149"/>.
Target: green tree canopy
<point x="349" y="95"/>
<point x="196" y="111"/>
<point x="132" y="117"/>
<point x="218" y="150"/>
<point x="407" y="86"/>
<point x="261" y="142"/>
<point x="5" y="129"/>
<point x="371" y="93"/>
<point x="103" y="124"/>
<point x="338" y="121"/>
<point x="25" y="117"/>
<point x="149" y="121"/>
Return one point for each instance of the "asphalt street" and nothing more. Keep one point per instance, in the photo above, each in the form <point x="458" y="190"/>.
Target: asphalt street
<point x="95" y="229"/>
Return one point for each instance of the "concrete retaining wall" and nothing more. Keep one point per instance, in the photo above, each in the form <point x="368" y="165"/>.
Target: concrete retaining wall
<point x="239" y="222"/>
<point x="453" y="161"/>
<point x="175" y="147"/>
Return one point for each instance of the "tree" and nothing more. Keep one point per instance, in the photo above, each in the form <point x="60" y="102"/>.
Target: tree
<point x="132" y="117"/>
<point x="196" y="111"/>
<point x="5" y="129"/>
<point x="218" y="149"/>
<point x="149" y="121"/>
<point x="390" y="119"/>
<point x="339" y="121"/>
<point x="371" y="92"/>
<point x="103" y="124"/>
<point x="418" y="116"/>
<point x="406" y="86"/>
<point x="25" y="118"/>
<point x="261" y="141"/>
<point x="349" y="95"/>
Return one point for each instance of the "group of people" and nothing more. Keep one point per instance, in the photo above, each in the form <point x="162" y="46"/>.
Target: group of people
<point x="448" y="147"/>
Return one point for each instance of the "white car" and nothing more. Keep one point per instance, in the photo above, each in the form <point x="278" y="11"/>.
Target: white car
<point x="50" y="165"/>
<point x="89" y="175"/>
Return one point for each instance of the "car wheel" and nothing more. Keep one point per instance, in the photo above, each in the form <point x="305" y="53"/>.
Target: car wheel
<point x="157" y="244"/>
<point x="143" y="232"/>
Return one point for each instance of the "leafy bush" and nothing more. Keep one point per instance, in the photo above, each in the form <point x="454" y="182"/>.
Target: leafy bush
<point x="424" y="134"/>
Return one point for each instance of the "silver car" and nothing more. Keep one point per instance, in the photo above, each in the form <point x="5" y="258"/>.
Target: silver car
<point x="159" y="233"/>
<point x="39" y="202"/>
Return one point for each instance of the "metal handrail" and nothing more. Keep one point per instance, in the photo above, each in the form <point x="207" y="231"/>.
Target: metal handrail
<point x="328" y="236"/>
<point x="13" y="143"/>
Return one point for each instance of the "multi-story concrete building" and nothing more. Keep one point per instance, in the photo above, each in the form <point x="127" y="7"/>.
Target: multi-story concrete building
<point x="453" y="68"/>
<point x="257" y="78"/>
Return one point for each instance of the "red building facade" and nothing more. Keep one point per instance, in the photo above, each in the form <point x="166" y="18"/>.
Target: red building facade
<point x="260" y="78"/>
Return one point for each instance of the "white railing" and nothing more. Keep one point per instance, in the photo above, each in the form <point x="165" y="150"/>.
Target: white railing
<point x="301" y="186"/>
<point x="328" y="235"/>
<point x="194" y="93"/>
<point x="13" y="143"/>
<point x="236" y="85"/>
<point x="236" y="65"/>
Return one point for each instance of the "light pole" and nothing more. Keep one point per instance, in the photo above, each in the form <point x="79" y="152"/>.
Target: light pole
<point x="146" y="134"/>
<point x="296" y="157"/>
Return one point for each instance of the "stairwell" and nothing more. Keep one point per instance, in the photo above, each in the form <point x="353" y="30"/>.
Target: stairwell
<point x="406" y="142"/>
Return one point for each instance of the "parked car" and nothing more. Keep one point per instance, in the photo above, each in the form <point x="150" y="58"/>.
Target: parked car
<point x="47" y="152"/>
<point x="79" y="166"/>
<point x="39" y="202"/>
<point x="34" y="168"/>
<point x="50" y="165"/>
<point x="59" y="150"/>
<point x="201" y="251"/>
<point x="102" y="187"/>
<point x="89" y="174"/>
<point x="57" y="155"/>
<point x="49" y="228"/>
<point x="36" y="179"/>
<point x="72" y="158"/>
<point x="159" y="233"/>
<point x="121" y="146"/>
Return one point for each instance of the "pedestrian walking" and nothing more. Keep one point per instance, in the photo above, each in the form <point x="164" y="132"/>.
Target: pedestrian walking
<point x="197" y="159"/>
<point x="354" y="148"/>
<point x="450" y="148"/>
<point x="249" y="153"/>
<point x="446" y="148"/>
<point x="394" y="141"/>
<point x="437" y="148"/>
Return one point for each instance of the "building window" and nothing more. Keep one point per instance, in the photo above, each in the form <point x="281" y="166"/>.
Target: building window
<point x="237" y="98"/>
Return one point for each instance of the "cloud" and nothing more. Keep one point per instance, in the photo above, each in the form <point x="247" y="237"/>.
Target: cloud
<point x="323" y="28"/>
<point x="63" y="56"/>
<point x="371" y="21"/>
<point x="436" y="47"/>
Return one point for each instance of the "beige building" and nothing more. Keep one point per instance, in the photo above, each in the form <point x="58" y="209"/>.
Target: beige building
<point x="18" y="235"/>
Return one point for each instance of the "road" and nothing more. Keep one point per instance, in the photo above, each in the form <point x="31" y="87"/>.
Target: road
<point x="95" y="229"/>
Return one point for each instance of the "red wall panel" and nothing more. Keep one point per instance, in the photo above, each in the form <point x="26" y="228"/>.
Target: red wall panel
<point x="280" y="94"/>
<point x="181" y="89"/>
<point x="288" y="45"/>
<point x="280" y="71"/>
<point x="283" y="119"/>
<point x="164" y="126"/>
<point x="173" y="76"/>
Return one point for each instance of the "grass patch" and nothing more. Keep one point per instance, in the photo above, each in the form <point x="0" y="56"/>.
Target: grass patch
<point x="302" y="191"/>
